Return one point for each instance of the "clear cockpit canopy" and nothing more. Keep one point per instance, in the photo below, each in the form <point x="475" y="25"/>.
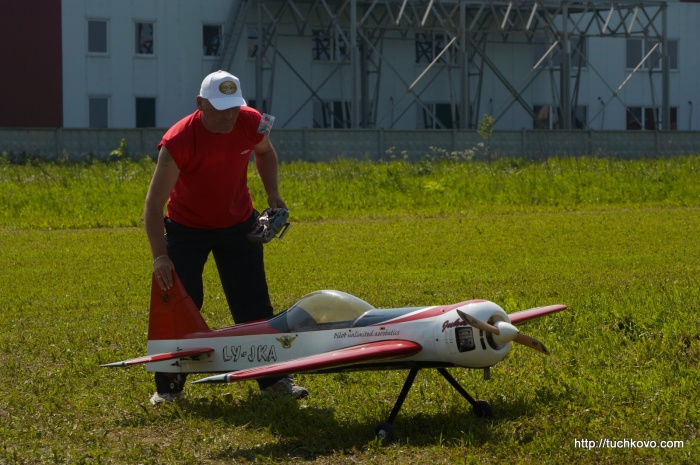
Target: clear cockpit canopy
<point x="325" y="310"/>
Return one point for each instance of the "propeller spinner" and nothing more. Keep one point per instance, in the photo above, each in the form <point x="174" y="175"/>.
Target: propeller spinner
<point x="506" y="332"/>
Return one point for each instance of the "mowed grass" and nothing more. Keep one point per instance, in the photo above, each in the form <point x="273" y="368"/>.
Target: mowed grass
<point x="617" y="241"/>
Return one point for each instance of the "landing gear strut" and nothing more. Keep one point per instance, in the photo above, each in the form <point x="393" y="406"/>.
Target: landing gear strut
<point x="385" y="430"/>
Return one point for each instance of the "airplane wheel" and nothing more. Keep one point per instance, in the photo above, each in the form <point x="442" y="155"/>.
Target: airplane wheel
<point x="482" y="409"/>
<point x="384" y="432"/>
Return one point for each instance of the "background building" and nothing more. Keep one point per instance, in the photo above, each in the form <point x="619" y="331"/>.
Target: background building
<point x="393" y="64"/>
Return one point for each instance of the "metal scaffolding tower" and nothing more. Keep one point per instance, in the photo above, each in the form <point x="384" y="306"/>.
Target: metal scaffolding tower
<point x="357" y="31"/>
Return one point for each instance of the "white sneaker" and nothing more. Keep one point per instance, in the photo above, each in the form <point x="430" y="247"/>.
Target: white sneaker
<point x="286" y="386"/>
<point x="166" y="397"/>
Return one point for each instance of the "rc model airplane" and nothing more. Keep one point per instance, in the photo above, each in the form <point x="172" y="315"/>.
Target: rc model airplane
<point x="332" y="331"/>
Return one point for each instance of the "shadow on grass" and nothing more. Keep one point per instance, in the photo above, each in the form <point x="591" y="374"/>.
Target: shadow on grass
<point x="307" y="433"/>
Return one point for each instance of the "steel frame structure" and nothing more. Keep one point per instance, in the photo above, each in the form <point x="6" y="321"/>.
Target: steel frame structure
<point x="363" y="26"/>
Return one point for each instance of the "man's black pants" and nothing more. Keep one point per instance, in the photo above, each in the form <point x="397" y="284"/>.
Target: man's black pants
<point x="241" y="268"/>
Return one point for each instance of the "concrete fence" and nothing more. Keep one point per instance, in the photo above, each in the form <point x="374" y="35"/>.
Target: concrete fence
<point x="372" y="144"/>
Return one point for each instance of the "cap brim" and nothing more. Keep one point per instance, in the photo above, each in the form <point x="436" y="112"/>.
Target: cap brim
<point x="225" y="103"/>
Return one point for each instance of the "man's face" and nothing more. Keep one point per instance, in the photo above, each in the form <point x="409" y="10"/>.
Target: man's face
<point x="218" y="121"/>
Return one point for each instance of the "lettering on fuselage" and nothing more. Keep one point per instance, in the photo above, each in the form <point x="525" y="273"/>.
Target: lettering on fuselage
<point x="259" y="353"/>
<point x="367" y="333"/>
<point x="453" y="324"/>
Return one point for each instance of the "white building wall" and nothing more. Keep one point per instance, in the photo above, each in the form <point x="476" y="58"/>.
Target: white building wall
<point x="173" y="74"/>
<point x="685" y="86"/>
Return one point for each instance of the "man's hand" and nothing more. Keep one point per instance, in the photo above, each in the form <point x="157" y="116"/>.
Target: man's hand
<point x="268" y="225"/>
<point x="275" y="201"/>
<point x="163" y="271"/>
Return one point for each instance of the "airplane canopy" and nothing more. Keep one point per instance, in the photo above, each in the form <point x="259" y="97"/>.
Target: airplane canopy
<point x="325" y="310"/>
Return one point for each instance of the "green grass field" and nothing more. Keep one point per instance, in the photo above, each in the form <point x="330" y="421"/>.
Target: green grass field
<point x="615" y="240"/>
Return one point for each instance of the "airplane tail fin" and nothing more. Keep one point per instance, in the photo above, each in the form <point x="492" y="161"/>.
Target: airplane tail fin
<point x="173" y="314"/>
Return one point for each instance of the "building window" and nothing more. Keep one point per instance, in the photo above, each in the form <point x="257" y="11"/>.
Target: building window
<point x="145" y="112"/>
<point x="98" y="111"/>
<point x="252" y="42"/>
<point x="549" y="117"/>
<point x="633" y="53"/>
<point x="438" y="116"/>
<point x="579" y="119"/>
<point x="430" y="44"/>
<point x="579" y="52"/>
<point x="320" y="45"/>
<point x="649" y="118"/>
<point x="332" y="114"/>
<point x="672" y="46"/>
<point x="328" y="45"/>
<point x="144" y="38"/>
<point x="541" y="45"/>
<point x="97" y="36"/>
<point x="212" y="40"/>
<point x="637" y="49"/>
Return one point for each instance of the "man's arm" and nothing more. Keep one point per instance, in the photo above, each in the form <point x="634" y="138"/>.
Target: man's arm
<point x="266" y="162"/>
<point x="162" y="183"/>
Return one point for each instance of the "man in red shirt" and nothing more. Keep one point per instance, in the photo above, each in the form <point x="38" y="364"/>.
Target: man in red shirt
<point x="202" y="175"/>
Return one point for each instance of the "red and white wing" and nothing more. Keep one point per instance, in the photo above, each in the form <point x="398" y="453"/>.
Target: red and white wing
<point x="526" y="315"/>
<point x="370" y="352"/>
<point x="160" y="357"/>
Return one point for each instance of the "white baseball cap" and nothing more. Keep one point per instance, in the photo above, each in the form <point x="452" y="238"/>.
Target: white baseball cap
<point x="223" y="90"/>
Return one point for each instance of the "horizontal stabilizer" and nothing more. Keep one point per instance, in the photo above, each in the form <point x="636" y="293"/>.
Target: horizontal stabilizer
<point x="160" y="357"/>
<point x="370" y="352"/>
<point x="526" y="315"/>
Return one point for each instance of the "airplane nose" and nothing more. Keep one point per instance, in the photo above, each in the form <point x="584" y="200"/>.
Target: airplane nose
<point x="503" y="332"/>
<point x="506" y="332"/>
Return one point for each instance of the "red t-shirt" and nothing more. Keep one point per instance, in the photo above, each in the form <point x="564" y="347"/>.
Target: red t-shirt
<point x="212" y="189"/>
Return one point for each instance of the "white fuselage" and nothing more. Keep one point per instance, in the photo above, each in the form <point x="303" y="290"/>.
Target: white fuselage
<point x="445" y="339"/>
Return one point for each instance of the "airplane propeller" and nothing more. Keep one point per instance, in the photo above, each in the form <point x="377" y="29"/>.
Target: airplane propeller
<point x="506" y="332"/>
